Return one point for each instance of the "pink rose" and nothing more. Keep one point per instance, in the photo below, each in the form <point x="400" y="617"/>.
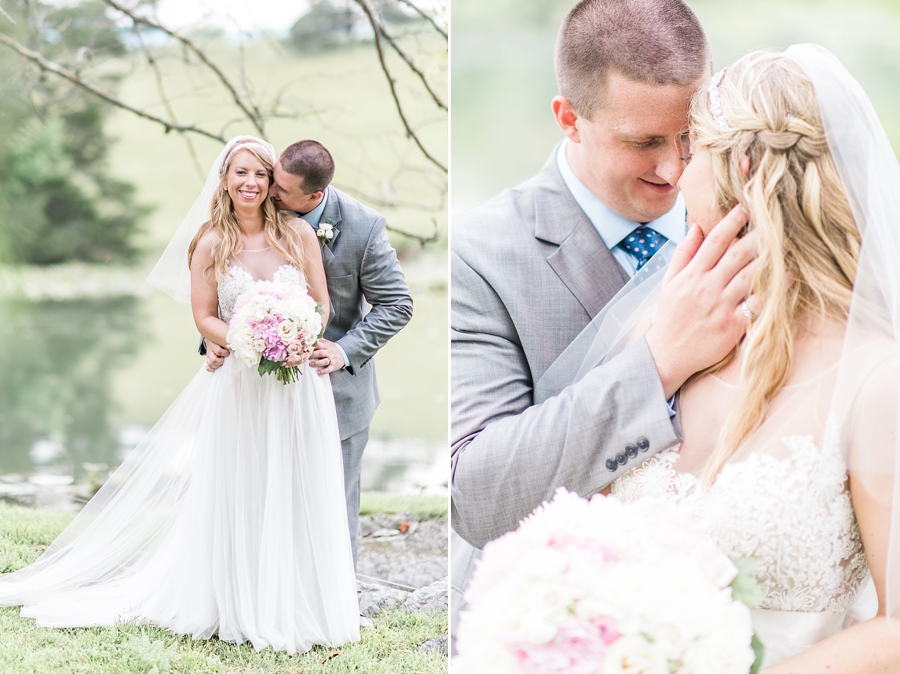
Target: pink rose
<point x="578" y="648"/>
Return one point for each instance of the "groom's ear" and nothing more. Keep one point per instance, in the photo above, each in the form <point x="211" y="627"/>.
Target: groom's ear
<point x="566" y="117"/>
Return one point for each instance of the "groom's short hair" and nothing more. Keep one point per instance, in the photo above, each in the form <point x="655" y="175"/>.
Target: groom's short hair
<point x="650" y="41"/>
<point x="310" y="160"/>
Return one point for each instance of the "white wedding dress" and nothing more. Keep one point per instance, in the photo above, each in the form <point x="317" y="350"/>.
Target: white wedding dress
<point x="783" y="498"/>
<point x="229" y="518"/>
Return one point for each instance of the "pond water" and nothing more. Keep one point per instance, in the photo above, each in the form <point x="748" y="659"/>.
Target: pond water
<point x="81" y="382"/>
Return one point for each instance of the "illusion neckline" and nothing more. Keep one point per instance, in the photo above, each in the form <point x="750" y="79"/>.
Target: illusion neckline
<point x="805" y="382"/>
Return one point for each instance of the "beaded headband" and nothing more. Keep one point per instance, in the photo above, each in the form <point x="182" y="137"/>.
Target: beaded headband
<point x="715" y="103"/>
<point x="247" y="142"/>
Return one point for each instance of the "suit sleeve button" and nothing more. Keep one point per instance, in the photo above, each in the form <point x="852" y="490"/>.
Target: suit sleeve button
<point x="621" y="458"/>
<point x="643" y="444"/>
<point x="631" y="451"/>
<point x="612" y="465"/>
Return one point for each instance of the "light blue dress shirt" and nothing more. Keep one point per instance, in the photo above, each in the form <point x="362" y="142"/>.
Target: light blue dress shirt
<point x="611" y="226"/>
<point x="315" y="214"/>
<point x="313" y="218"/>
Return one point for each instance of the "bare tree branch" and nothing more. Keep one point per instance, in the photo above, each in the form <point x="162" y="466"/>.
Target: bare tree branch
<point x="7" y="17"/>
<point x="423" y="240"/>
<point x="411" y="65"/>
<point x="51" y="67"/>
<point x="425" y="16"/>
<point x="409" y="132"/>
<point x="388" y="203"/>
<point x="165" y="99"/>
<point x="254" y="115"/>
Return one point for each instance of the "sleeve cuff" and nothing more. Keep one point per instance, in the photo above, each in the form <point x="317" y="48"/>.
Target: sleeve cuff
<point x="671" y="405"/>
<point x="347" y="362"/>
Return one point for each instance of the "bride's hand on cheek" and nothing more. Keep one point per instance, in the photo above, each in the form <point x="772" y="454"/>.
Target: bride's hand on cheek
<point x="699" y="317"/>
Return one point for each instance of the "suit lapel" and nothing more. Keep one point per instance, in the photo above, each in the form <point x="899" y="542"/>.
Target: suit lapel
<point x="332" y="213"/>
<point x="581" y="259"/>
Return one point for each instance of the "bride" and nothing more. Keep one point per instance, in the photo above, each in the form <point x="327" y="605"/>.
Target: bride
<point x="791" y="444"/>
<point x="229" y="517"/>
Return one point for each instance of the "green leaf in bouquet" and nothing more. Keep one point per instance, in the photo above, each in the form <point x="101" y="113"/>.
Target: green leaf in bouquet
<point x="267" y="366"/>
<point x="320" y="308"/>
<point x="759" y="650"/>
<point x="744" y="587"/>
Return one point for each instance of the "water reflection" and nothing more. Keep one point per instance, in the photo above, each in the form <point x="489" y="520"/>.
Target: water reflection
<point x="82" y="381"/>
<point x="57" y="360"/>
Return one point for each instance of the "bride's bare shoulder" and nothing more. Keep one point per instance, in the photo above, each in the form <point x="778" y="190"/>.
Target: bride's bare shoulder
<point x="206" y="242"/>
<point x="303" y="228"/>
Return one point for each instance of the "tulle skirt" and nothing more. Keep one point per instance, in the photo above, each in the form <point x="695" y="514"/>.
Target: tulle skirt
<point x="229" y="518"/>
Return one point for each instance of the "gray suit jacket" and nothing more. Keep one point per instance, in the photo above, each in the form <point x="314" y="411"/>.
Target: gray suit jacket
<point x="361" y="268"/>
<point x="528" y="272"/>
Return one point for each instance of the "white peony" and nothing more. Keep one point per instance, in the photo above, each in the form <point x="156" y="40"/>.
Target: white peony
<point x="634" y="655"/>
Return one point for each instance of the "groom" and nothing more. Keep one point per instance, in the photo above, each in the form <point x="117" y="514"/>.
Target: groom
<point x="559" y="248"/>
<point x="361" y="268"/>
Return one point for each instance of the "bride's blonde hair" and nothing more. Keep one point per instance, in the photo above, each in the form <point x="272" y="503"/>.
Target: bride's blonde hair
<point x="279" y="234"/>
<point x="798" y="208"/>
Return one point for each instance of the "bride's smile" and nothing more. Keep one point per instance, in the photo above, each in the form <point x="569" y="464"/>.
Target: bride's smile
<point x="247" y="181"/>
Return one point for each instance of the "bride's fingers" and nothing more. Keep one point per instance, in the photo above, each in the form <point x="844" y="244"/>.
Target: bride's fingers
<point x="684" y="252"/>
<point x="739" y="286"/>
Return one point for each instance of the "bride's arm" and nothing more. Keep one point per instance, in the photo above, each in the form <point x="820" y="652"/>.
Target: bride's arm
<point x="204" y="294"/>
<point x="871" y="646"/>
<point x="314" y="270"/>
<point x="874" y="645"/>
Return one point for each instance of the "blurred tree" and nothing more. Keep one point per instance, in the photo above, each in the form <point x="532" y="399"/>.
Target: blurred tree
<point x="336" y="23"/>
<point x="58" y="201"/>
<point x="75" y="46"/>
<point x="326" y="25"/>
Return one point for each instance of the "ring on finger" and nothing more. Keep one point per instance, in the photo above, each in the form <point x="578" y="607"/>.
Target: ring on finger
<point x="328" y="364"/>
<point x="745" y="309"/>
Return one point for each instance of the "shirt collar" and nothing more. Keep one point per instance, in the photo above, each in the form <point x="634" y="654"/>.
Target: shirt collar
<point x="315" y="214"/>
<point x="611" y="226"/>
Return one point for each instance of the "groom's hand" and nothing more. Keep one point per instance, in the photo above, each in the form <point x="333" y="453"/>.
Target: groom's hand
<point x="699" y="318"/>
<point x="215" y="356"/>
<point x="326" y="358"/>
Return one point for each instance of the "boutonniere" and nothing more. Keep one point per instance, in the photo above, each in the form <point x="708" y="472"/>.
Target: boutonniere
<point x="326" y="231"/>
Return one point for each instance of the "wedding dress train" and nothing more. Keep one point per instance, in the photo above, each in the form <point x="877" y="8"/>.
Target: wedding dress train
<point x="229" y="518"/>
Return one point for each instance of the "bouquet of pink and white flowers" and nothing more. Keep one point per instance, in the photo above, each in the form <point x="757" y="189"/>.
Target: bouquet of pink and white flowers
<point x="604" y="587"/>
<point x="274" y="323"/>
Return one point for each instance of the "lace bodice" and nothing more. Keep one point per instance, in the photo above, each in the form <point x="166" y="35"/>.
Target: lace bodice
<point x="238" y="281"/>
<point x="793" y="514"/>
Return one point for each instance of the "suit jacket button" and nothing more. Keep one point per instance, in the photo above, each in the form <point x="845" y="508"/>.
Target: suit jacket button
<point x="612" y="465"/>
<point x="643" y="444"/>
<point x="631" y="451"/>
<point x="621" y="458"/>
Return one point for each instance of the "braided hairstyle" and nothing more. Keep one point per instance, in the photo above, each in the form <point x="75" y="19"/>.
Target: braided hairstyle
<point x="797" y="206"/>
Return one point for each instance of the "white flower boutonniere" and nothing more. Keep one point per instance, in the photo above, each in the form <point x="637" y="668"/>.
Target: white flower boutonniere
<point x="325" y="231"/>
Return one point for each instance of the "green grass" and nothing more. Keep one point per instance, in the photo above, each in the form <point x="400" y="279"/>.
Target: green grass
<point x="392" y="645"/>
<point x="426" y="507"/>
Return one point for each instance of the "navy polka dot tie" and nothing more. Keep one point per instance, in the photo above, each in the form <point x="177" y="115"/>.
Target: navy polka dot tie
<point x="642" y="244"/>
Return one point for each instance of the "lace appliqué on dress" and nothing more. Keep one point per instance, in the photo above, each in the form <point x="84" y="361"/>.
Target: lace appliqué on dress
<point x="792" y="514"/>
<point x="238" y="280"/>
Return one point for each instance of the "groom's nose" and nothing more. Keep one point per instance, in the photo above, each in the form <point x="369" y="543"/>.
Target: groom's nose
<point x="669" y="165"/>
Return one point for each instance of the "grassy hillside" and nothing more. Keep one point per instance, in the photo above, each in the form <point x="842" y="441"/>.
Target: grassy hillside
<point x="340" y="98"/>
